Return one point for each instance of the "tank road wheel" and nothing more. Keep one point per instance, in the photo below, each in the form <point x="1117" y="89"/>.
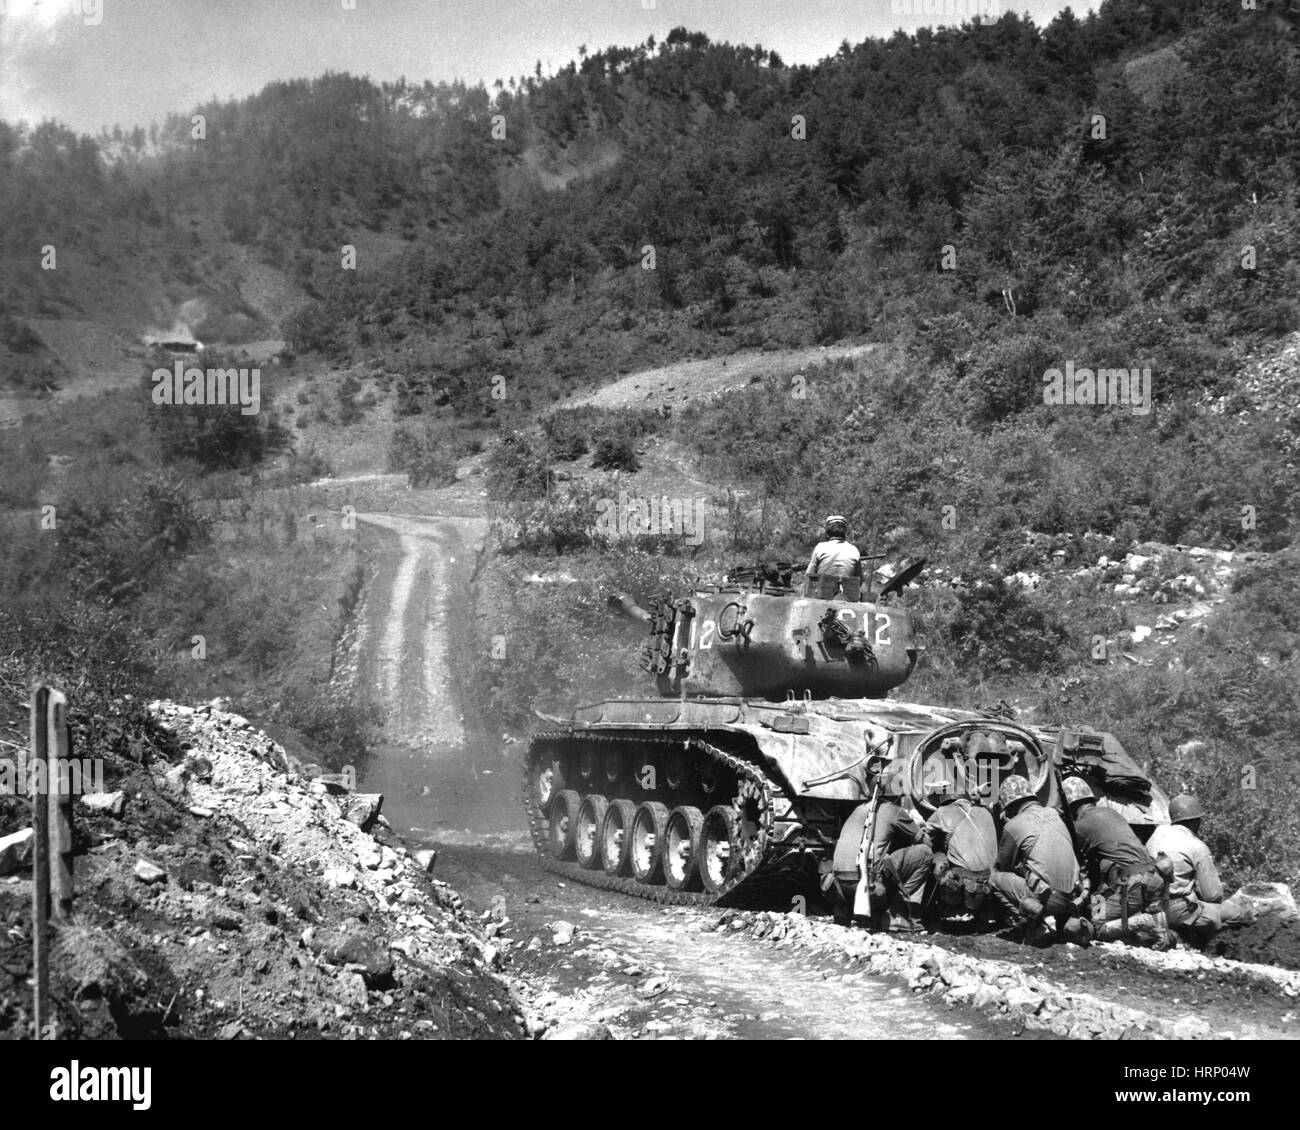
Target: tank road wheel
<point x="648" y="829"/>
<point x="564" y="822"/>
<point x="586" y="839"/>
<point x="548" y="779"/>
<point x="680" y="845"/>
<point x="616" y="836"/>
<point x="587" y="764"/>
<point x="719" y="852"/>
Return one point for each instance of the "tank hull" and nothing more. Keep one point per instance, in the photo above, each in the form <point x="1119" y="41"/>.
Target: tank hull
<point x="759" y="790"/>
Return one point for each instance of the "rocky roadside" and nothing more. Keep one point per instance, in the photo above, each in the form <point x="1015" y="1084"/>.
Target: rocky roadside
<point x="227" y="891"/>
<point x="1005" y="989"/>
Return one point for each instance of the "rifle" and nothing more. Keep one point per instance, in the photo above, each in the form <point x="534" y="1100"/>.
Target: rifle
<point x="862" y="897"/>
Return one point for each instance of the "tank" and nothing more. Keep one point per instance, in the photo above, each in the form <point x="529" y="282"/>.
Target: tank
<point x="737" y="775"/>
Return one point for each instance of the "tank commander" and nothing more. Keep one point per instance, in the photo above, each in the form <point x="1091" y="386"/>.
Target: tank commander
<point x="898" y="859"/>
<point x="1117" y="868"/>
<point x="965" y="847"/>
<point x="1195" y="892"/>
<point x="1036" y="876"/>
<point x="836" y="556"/>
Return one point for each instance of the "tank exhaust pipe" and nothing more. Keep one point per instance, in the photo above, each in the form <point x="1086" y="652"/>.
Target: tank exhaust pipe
<point x="625" y="606"/>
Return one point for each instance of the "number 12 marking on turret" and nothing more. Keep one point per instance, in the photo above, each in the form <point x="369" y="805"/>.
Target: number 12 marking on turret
<point x="882" y="624"/>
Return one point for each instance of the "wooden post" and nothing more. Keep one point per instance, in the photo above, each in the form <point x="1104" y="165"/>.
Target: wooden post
<point x="59" y="745"/>
<point x="40" y="865"/>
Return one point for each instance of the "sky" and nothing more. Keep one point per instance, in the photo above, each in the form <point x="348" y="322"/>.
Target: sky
<point x="97" y="63"/>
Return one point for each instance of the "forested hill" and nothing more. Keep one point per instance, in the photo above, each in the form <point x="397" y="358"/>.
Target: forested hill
<point x="1097" y="180"/>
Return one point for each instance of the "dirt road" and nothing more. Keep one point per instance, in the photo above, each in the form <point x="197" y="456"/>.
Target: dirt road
<point x="639" y="970"/>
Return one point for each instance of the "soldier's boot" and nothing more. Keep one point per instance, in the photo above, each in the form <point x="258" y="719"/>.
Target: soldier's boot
<point x="1149" y="929"/>
<point x="905" y="917"/>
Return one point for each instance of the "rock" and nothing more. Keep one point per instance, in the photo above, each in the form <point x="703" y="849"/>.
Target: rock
<point x="369" y="855"/>
<point x="1255" y="899"/>
<point x="1190" y="1028"/>
<point x="562" y="933"/>
<point x="962" y="994"/>
<point x="231" y="1031"/>
<point x="112" y="803"/>
<point x="353" y="987"/>
<point x="579" y="1030"/>
<point x="340" y="877"/>
<point x="177" y="779"/>
<point x="356" y="951"/>
<point x="1024" y="1001"/>
<point x="654" y="987"/>
<point x="148" y="872"/>
<point x="362" y="809"/>
<point x="426" y="858"/>
<point x="985" y="996"/>
<point x="336" y="784"/>
<point x="16" y="851"/>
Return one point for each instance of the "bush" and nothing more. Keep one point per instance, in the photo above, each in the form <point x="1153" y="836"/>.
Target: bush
<point x="214" y="436"/>
<point x="616" y="453"/>
<point x="568" y="434"/>
<point x="338" y="730"/>
<point x="518" y="468"/>
<point x="424" y="454"/>
<point x="999" y="629"/>
<point x="113" y="546"/>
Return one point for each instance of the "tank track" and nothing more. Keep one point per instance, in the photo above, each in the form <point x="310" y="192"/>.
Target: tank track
<point x="770" y="871"/>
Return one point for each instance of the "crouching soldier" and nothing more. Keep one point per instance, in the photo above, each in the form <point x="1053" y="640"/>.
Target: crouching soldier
<point x="898" y="859"/>
<point x="965" y="846"/>
<point x="1126" y="884"/>
<point x="1194" y="890"/>
<point x="1036" y="876"/>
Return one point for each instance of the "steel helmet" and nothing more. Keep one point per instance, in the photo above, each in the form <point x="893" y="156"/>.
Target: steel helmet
<point x="1185" y="807"/>
<point x="1076" y="789"/>
<point x="1015" y="789"/>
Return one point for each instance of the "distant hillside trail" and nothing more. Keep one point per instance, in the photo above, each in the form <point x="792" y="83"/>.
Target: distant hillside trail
<point x="675" y="385"/>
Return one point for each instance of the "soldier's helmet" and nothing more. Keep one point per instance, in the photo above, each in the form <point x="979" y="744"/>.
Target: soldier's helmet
<point x="836" y="525"/>
<point x="1185" y="807"/>
<point x="1015" y="789"/>
<point x="1077" y="789"/>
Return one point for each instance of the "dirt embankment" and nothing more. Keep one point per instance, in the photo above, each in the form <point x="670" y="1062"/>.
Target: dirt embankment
<point x="223" y="894"/>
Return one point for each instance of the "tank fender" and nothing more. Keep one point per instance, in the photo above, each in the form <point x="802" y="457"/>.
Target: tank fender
<point x="850" y="843"/>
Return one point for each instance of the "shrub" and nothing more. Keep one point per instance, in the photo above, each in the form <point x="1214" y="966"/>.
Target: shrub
<point x="518" y="467"/>
<point x="998" y="628"/>
<point x="424" y="454"/>
<point x="616" y="453"/>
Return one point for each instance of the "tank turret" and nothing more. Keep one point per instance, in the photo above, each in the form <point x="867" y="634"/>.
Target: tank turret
<point x="748" y="636"/>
